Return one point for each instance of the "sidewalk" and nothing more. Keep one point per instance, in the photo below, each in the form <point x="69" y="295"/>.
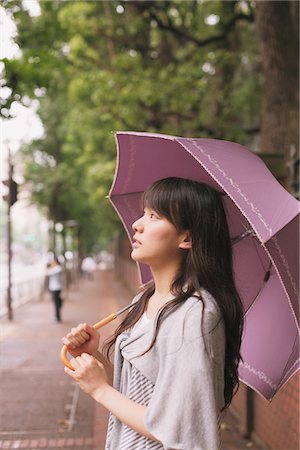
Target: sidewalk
<point x="41" y="407"/>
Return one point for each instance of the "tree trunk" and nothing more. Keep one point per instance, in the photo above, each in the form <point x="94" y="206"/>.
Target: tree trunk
<point x="277" y="33"/>
<point x="218" y="119"/>
<point x="110" y="34"/>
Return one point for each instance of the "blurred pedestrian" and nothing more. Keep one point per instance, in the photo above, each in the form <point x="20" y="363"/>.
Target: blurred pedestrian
<point x="88" y="267"/>
<point x="54" y="273"/>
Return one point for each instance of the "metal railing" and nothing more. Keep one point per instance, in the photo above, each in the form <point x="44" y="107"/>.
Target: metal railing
<point x="22" y="292"/>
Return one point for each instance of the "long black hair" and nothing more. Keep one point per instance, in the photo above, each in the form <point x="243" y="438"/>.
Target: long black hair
<point x="198" y="208"/>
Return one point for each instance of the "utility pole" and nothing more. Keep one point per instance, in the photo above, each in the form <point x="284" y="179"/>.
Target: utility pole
<point x="10" y="198"/>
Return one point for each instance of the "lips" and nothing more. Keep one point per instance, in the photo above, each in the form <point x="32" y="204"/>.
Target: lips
<point x="135" y="242"/>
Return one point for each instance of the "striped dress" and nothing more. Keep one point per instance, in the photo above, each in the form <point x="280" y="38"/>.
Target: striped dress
<point x="139" y="389"/>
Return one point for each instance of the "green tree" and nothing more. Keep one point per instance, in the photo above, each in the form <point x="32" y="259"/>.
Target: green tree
<point x="184" y="68"/>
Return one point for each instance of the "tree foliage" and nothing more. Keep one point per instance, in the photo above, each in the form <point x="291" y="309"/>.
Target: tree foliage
<point x="184" y="68"/>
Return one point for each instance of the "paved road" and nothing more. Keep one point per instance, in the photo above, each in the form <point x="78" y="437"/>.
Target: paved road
<point x="39" y="403"/>
<point x="41" y="407"/>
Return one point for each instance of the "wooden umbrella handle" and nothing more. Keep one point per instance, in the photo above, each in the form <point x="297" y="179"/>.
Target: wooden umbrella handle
<point x="64" y="350"/>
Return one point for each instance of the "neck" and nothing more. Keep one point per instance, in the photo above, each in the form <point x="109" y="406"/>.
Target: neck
<point x="163" y="279"/>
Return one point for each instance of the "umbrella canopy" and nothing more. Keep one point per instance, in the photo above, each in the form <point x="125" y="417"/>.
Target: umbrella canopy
<point x="263" y="220"/>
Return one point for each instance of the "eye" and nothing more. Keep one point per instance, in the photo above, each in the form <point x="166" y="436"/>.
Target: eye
<point x="151" y="213"/>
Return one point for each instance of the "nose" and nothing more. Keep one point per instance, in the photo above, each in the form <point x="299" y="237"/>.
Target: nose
<point x="137" y="225"/>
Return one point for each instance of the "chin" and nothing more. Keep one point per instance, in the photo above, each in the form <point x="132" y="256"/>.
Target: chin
<point x="134" y="256"/>
<point x="137" y="258"/>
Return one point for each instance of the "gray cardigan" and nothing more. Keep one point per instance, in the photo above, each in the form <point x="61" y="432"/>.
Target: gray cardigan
<point x="186" y="367"/>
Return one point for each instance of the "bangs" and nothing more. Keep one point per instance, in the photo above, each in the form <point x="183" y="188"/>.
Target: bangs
<point x="162" y="197"/>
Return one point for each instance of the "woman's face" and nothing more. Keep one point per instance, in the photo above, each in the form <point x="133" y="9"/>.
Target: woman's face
<point x="156" y="241"/>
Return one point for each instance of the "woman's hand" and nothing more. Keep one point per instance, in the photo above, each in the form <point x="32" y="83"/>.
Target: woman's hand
<point x="82" y="339"/>
<point x="91" y="376"/>
<point x="89" y="373"/>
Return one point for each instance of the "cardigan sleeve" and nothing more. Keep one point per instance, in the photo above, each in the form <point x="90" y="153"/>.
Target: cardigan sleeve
<point x="188" y="395"/>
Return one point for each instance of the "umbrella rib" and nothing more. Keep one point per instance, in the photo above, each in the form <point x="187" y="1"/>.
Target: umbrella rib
<point x="110" y="197"/>
<point x="265" y="280"/>
<point x="238" y="238"/>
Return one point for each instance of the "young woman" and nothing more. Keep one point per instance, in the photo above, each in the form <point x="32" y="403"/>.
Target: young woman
<point x="178" y="349"/>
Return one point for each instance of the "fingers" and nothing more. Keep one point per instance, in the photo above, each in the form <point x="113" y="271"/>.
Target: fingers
<point x="79" y="364"/>
<point x="89" y="329"/>
<point x="70" y="372"/>
<point x="82" y="361"/>
<point x="77" y="336"/>
<point x="86" y="357"/>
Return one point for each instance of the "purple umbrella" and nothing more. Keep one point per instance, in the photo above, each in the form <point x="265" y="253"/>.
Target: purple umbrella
<point x="264" y="222"/>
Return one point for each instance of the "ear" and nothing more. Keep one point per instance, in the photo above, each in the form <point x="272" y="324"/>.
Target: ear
<point x="186" y="241"/>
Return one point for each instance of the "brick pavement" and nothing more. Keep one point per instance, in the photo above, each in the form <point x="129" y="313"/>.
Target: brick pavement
<point x="41" y="408"/>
